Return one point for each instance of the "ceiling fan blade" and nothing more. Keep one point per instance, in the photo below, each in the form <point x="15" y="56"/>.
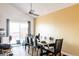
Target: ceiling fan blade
<point x="35" y="14"/>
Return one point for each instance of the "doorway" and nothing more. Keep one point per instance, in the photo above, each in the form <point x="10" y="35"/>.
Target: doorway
<point x="18" y="31"/>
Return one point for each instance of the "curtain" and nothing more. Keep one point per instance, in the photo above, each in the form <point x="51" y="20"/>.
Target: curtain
<point x="7" y="27"/>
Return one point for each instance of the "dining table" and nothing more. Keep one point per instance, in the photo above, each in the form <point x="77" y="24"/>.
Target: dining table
<point x="43" y="43"/>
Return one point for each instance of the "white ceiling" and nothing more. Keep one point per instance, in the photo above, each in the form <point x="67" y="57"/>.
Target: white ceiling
<point x="41" y="8"/>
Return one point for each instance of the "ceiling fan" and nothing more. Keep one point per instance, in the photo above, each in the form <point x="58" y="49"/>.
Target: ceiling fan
<point x="32" y="12"/>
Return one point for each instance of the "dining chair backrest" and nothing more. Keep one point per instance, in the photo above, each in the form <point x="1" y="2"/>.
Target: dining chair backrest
<point x="38" y="36"/>
<point x="0" y="40"/>
<point x="58" y="45"/>
<point x="51" y="38"/>
<point x="31" y="40"/>
<point x="28" y="40"/>
<point x="36" y="44"/>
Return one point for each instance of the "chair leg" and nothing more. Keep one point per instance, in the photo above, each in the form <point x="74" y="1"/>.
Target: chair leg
<point x="28" y="49"/>
<point x="47" y="53"/>
<point x="25" y="47"/>
<point x="32" y="51"/>
<point x="60" y="54"/>
<point x="57" y="54"/>
<point x="37" y="51"/>
<point x="0" y="51"/>
<point x="41" y="52"/>
<point x="54" y="54"/>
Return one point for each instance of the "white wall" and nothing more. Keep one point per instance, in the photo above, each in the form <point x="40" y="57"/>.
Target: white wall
<point x="14" y="14"/>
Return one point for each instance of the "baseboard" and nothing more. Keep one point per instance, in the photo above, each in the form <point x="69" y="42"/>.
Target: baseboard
<point x="65" y="53"/>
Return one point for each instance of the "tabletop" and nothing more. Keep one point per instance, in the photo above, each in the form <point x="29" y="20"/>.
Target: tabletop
<point x="46" y="42"/>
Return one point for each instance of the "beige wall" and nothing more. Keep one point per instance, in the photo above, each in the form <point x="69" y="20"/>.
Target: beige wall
<point x="62" y="24"/>
<point x="14" y="14"/>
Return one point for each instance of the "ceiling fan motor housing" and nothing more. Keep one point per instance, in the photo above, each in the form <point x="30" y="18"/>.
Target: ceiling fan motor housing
<point x="31" y="11"/>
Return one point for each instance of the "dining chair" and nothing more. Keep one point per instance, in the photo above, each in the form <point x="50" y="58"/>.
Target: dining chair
<point x="34" y="45"/>
<point x="38" y="36"/>
<point x="57" y="47"/>
<point x="44" y="49"/>
<point x="31" y="45"/>
<point x="27" y="43"/>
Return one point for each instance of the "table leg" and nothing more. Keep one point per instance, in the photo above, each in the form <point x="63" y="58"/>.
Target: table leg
<point x="41" y="51"/>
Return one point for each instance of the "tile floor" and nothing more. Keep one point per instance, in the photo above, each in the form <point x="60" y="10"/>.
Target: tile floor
<point x="19" y="50"/>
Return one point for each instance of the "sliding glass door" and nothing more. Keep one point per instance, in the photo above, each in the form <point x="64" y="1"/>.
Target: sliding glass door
<point x="18" y="31"/>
